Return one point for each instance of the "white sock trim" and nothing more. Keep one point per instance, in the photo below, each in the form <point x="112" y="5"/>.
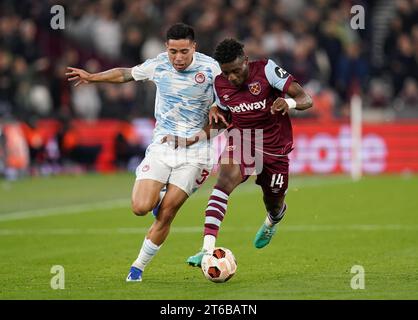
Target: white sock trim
<point x="220" y="194"/>
<point x="147" y="252"/>
<point x="209" y="242"/>
<point x="223" y="205"/>
<point x="215" y="209"/>
<point x="151" y="244"/>
<point x="213" y="220"/>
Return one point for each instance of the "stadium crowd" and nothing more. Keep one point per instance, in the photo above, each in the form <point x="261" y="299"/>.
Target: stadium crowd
<point x="313" y="40"/>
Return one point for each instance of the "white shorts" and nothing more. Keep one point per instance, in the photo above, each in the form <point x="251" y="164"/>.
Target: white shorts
<point x="160" y="165"/>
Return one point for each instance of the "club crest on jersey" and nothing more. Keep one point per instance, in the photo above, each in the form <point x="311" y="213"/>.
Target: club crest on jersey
<point x="200" y="77"/>
<point x="255" y="88"/>
<point x="145" y="168"/>
<point x="226" y="97"/>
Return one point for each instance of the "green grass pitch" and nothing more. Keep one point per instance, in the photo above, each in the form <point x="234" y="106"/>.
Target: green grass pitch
<point x="84" y="224"/>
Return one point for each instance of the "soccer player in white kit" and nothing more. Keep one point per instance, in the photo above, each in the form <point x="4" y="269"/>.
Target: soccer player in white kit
<point x="184" y="80"/>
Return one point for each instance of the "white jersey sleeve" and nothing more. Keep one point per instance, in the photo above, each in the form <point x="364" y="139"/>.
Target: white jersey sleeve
<point x="145" y="71"/>
<point x="218" y="101"/>
<point x="277" y="76"/>
<point x="216" y="70"/>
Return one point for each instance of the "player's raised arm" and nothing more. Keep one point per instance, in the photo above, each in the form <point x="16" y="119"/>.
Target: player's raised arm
<point x="280" y="79"/>
<point x="298" y="100"/>
<point x="116" y="75"/>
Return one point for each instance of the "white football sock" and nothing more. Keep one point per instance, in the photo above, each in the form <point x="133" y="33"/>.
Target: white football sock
<point x="147" y="252"/>
<point x="209" y="242"/>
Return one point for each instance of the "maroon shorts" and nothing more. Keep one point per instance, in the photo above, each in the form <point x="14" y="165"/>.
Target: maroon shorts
<point x="274" y="177"/>
<point x="272" y="171"/>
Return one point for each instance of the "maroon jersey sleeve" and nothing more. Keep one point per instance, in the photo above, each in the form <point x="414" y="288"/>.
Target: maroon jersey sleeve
<point x="278" y="77"/>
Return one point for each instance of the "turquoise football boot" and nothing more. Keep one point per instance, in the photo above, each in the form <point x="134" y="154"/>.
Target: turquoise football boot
<point x="264" y="235"/>
<point x="196" y="260"/>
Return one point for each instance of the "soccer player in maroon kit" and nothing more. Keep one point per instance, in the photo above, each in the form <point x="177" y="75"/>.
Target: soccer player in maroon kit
<point x="252" y="96"/>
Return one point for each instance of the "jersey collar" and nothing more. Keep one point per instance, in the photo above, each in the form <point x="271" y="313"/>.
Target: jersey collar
<point x="192" y="64"/>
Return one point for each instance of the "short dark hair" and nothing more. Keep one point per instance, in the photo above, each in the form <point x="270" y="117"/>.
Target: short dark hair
<point x="180" y="31"/>
<point x="228" y="50"/>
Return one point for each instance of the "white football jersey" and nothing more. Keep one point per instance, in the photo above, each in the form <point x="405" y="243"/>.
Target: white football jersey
<point x="183" y="98"/>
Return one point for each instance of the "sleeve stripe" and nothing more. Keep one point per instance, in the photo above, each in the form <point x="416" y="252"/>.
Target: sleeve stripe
<point x="289" y="81"/>
<point x="280" y="82"/>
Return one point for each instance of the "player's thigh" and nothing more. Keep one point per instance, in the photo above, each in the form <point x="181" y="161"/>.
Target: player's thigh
<point x="189" y="177"/>
<point x="230" y="175"/>
<point x="145" y="195"/>
<point x="274" y="181"/>
<point x="274" y="193"/>
<point x="151" y="176"/>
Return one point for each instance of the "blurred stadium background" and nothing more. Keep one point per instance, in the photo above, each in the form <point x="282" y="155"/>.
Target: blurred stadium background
<point x="48" y="128"/>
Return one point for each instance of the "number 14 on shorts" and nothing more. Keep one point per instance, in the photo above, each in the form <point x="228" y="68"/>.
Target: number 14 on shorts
<point x="277" y="180"/>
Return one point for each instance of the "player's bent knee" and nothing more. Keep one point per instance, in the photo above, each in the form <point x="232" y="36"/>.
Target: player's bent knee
<point x="141" y="209"/>
<point x="139" y="212"/>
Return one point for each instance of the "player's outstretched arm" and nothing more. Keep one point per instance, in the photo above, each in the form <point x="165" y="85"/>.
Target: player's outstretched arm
<point x="116" y="75"/>
<point x="298" y="100"/>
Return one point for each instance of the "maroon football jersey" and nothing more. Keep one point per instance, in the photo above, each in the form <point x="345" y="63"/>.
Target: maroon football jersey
<point x="250" y="105"/>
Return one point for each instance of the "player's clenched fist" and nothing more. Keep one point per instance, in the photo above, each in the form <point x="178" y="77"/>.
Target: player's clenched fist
<point x="79" y="75"/>
<point x="282" y="105"/>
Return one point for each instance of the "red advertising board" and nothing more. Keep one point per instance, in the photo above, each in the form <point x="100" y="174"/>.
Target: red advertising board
<point x="326" y="148"/>
<point x="323" y="147"/>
